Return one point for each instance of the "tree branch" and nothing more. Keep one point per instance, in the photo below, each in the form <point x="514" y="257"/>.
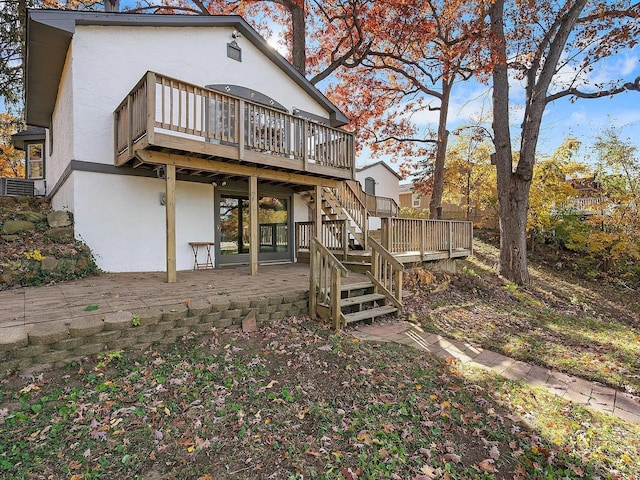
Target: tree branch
<point x="400" y="139"/>
<point x="635" y="85"/>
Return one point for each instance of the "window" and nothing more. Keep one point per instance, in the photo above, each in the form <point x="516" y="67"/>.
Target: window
<point x="35" y="161"/>
<point x="416" y="200"/>
<point x="370" y="186"/>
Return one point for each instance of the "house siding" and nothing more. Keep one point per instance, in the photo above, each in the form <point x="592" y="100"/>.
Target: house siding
<point x="387" y="184"/>
<point x="109" y="61"/>
<point x="62" y="131"/>
<point x="121" y="218"/>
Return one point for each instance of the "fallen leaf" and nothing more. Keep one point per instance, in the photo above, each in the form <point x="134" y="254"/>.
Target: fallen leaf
<point x="487" y="465"/>
<point x="494" y="452"/>
<point x="431" y="472"/>
<point x="452" y="457"/>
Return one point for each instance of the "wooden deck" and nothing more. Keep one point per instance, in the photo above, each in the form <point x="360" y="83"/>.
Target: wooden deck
<point x="171" y="116"/>
<point x="411" y="241"/>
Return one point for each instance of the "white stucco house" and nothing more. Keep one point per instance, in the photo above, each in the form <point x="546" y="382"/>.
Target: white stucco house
<point x="166" y="130"/>
<point x="380" y="180"/>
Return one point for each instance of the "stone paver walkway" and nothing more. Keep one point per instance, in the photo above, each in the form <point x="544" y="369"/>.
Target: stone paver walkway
<point x="592" y="394"/>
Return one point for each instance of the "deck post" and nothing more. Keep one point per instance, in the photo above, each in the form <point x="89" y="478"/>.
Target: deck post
<point x="317" y="213"/>
<point x="170" y="208"/>
<point x="129" y="125"/>
<point x="305" y="146"/>
<point x="423" y="237"/>
<point x="240" y="129"/>
<point x="336" y="284"/>
<point x="314" y="268"/>
<point x="450" y="238"/>
<point x="375" y="267"/>
<point x="345" y="240"/>
<point x="254" y="244"/>
<point x="384" y="227"/>
<point x="151" y="106"/>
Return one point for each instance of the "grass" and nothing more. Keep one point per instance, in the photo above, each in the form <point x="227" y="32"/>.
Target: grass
<point x="295" y="401"/>
<point x="582" y="328"/>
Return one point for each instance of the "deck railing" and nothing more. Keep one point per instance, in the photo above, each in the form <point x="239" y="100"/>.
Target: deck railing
<point x="582" y="205"/>
<point x="159" y="105"/>
<point x="351" y="201"/>
<point x="334" y="235"/>
<point x="274" y="235"/>
<point x="417" y="235"/>
<point x="375" y="205"/>
<point x="325" y="282"/>
<point x="386" y="273"/>
<point x="381" y="206"/>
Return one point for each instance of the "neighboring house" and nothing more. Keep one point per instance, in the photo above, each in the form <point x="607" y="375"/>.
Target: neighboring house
<point x="587" y="197"/>
<point x="412" y="198"/>
<point x="380" y="180"/>
<point x="163" y="130"/>
<point x="409" y="197"/>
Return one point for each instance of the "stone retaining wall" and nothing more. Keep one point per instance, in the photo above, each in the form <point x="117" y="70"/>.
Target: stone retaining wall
<point x="43" y="346"/>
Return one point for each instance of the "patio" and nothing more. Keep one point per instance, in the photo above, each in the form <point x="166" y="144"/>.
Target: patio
<point x="116" y="292"/>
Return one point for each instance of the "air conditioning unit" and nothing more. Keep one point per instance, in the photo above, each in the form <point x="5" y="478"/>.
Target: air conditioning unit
<point x="16" y="187"/>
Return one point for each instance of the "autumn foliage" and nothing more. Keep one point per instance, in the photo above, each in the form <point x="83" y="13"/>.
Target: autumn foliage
<point x="11" y="160"/>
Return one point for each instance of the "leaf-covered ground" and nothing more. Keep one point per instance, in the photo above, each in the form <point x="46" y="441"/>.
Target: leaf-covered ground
<point x="581" y="327"/>
<point x="295" y="401"/>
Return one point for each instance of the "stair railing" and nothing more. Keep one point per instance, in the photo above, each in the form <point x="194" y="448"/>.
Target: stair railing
<point x="325" y="282"/>
<point x="386" y="273"/>
<point x="351" y="197"/>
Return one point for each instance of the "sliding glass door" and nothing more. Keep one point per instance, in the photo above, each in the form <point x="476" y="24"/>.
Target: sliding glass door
<point x="233" y="229"/>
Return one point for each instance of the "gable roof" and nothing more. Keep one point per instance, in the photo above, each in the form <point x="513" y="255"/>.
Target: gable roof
<point x="49" y="34"/>
<point x="384" y="164"/>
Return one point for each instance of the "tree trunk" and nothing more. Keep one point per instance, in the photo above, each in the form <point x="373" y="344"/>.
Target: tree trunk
<point x="513" y="233"/>
<point x="513" y="192"/>
<point x="435" y="206"/>
<point x="298" y="34"/>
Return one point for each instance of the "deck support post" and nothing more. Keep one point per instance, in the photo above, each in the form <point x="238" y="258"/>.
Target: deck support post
<point x="314" y="269"/>
<point x="423" y="238"/>
<point x="317" y="213"/>
<point x="170" y="208"/>
<point x="254" y="243"/>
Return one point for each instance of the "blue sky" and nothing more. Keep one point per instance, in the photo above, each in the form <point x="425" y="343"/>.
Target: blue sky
<point x="584" y="119"/>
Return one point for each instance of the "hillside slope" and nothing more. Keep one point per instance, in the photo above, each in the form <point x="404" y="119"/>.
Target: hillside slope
<point x="37" y="245"/>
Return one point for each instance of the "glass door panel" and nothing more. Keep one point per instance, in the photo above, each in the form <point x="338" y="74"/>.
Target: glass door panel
<point x="273" y="217"/>
<point x="233" y="228"/>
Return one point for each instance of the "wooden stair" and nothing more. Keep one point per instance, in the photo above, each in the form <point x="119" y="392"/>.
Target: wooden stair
<point x="360" y="302"/>
<point x="332" y="209"/>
